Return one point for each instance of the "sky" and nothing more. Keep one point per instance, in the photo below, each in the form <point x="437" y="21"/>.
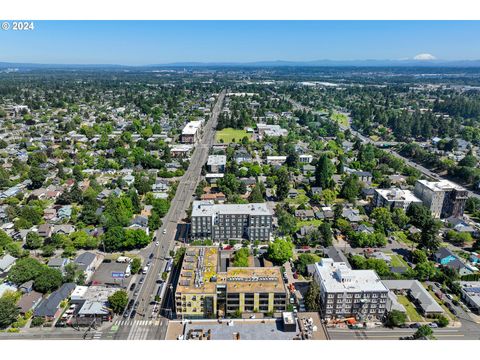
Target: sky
<point x="161" y="42"/>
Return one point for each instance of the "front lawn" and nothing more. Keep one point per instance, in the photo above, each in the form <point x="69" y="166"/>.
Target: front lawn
<point x="342" y="119"/>
<point x="397" y="261"/>
<point x="412" y="312"/>
<point x="314" y="222"/>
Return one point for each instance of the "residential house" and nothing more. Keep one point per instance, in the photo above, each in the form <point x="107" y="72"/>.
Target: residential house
<point x="50" y="308"/>
<point x="6" y="263"/>
<point x="88" y="263"/>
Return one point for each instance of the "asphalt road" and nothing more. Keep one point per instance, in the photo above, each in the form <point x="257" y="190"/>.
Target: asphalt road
<point x="165" y="235"/>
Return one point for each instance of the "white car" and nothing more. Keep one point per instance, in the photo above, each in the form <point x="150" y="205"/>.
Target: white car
<point x="157" y="243"/>
<point x="164" y="231"/>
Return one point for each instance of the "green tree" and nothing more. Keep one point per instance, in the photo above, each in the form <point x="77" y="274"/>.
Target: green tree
<point x="326" y="234"/>
<point x="282" y="183"/>
<point x="351" y="188"/>
<point x="256" y="195"/>
<point x="395" y="318"/>
<point x="33" y="240"/>
<point x="423" y="331"/>
<point x="324" y="172"/>
<point x="312" y="297"/>
<point x="399" y="218"/>
<point x="136" y="265"/>
<point x="429" y="238"/>
<point x="443" y="321"/>
<point x="419" y="256"/>
<point x="24" y="270"/>
<point x="118" y="301"/>
<point x="8" y="312"/>
<point x="383" y="220"/>
<point x="279" y="251"/>
<point x="48" y="280"/>
<point x="37" y="176"/>
<point x="240" y="258"/>
<point x="303" y="260"/>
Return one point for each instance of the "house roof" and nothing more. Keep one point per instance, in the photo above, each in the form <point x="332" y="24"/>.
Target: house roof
<point x="49" y="306"/>
<point x="6" y="261"/>
<point x="443" y="252"/>
<point x="29" y="301"/>
<point x="84" y="260"/>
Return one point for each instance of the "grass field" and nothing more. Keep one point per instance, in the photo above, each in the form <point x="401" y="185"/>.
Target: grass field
<point x="397" y="261"/>
<point x="230" y="135"/>
<point x="342" y="119"/>
<point x="412" y="312"/>
<point x="314" y="222"/>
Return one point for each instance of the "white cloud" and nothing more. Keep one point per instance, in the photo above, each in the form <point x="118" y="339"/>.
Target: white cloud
<point x="424" y="56"/>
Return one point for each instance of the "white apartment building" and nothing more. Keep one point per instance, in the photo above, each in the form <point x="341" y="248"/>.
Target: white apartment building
<point x="394" y="198"/>
<point x="349" y="293"/>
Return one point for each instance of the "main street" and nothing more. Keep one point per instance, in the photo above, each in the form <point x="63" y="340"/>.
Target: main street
<point x="142" y="325"/>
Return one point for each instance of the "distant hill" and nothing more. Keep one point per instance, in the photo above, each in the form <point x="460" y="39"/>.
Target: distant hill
<point x="276" y="63"/>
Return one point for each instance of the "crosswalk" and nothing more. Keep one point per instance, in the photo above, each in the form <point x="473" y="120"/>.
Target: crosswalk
<point x="132" y="322"/>
<point x="97" y="335"/>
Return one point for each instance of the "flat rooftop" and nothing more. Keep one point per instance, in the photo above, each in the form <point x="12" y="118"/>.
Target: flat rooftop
<point x="200" y="274"/>
<point x="268" y="329"/>
<point x="254" y="279"/>
<point x="217" y="160"/>
<point x="192" y="127"/>
<point x="398" y="195"/>
<point x="199" y="266"/>
<point x="338" y="277"/>
<point x="209" y="208"/>
<point x="442" y="185"/>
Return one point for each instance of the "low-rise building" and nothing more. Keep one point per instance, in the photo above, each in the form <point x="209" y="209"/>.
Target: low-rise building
<point x="470" y="293"/>
<point x="216" y="163"/>
<point x="191" y="132"/>
<point x="394" y="198"/>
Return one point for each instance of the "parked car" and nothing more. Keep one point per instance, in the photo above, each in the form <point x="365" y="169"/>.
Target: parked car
<point x="151" y="256"/>
<point x="132" y="286"/>
<point x="142" y="279"/>
<point x="433" y="325"/>
<point x="415" y="326"/>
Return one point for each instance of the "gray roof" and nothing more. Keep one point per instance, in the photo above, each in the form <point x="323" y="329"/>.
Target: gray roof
<point x="337" y="255"/>
<point x="6" y="261"/>
<point x="84" y="260"/>
<point x="209" y="208"/>
<point x="49" y="306"/>
<point x="443" y="252"/>
<point x="417" y="291"/>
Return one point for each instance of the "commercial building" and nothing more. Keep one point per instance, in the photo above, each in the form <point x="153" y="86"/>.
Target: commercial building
<point x="270" y="130"/>
<point x="216" y="163"/>
<point x="208" y="289"/>
<point x="191" y="132"/>
<point x="221" y="222"/>
<point x="349" y="293"/>
<point x="470" y="291"/>
<point x="443" y="198"/>
<point x="394" y="198"/>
